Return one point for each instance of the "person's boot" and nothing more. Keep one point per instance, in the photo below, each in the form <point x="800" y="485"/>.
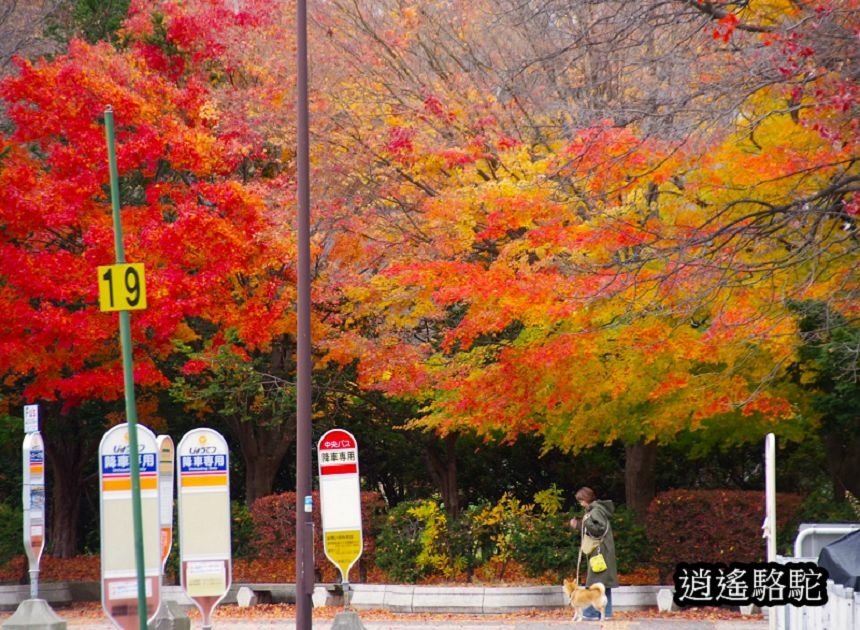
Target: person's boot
<point x="591" y="614"/>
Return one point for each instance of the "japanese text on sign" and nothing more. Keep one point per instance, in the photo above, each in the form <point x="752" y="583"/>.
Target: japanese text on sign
<point x="337" y="443"/>
<point x="337" y="456"/>
<point x="112" y="464"/>
<point x="201" y="463"/>
<point x="31" y="418"/>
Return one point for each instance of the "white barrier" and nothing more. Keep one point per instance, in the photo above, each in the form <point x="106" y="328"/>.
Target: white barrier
<point x="841" y="612"/>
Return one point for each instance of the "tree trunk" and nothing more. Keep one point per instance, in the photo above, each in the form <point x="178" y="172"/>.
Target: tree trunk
<point x="640" y="476"/>
<point x="66" y="459"/>
<point x="263" y="448"/>
<point x="843" y="464"/>
<point x="65" y="517"/>
<point x="443" y="472"/>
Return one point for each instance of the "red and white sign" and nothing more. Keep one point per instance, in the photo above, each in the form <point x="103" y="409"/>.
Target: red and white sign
<point x="340" y="499"/>
<point x="338" y="453"/>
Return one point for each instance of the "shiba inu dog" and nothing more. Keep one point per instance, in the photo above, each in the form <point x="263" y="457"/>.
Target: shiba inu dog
<point x="581" y="598"/>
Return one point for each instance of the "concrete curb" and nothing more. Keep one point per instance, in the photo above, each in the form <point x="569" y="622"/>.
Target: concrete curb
<point x="484" y="599"/>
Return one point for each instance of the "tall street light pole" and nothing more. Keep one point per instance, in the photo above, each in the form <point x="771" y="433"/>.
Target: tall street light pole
<point x="304" y="520"/>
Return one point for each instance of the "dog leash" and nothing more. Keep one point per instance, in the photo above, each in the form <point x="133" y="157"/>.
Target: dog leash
<point x="579" y="558"/>
<point x="578" y="562"/>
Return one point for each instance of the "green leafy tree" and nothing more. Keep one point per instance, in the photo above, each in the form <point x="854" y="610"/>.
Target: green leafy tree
<point x="90" y="20"/>
<point x="253" y="394"/>
<point x="829" y="366"/>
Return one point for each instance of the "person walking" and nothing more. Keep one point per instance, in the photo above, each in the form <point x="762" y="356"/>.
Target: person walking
<point x="597" y="539"/>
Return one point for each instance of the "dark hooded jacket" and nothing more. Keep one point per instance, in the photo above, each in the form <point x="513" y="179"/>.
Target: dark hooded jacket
<point x="597" y="525"/>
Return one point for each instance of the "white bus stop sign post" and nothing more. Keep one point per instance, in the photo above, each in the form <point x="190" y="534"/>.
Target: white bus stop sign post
<point x="33" y="495"/>
<point x="166" y="464"/>
<point x="34" y="612"/>
<point x="204" y="519"/>
<point x="119" y="570"/>
<point x="340" y="500"/>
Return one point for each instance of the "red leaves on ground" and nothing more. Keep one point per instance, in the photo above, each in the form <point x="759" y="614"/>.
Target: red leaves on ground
<point x="77" y="569"/>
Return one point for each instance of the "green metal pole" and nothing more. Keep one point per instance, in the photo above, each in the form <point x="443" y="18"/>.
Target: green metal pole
<point x="128" y="381"/>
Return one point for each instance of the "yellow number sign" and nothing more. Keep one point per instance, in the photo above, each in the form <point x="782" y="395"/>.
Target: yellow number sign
<point x="122" y="287"/>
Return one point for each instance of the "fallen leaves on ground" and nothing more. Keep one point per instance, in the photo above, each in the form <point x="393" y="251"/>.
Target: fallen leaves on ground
<point x="84" y="568"/>
<point x="92" y="610"/>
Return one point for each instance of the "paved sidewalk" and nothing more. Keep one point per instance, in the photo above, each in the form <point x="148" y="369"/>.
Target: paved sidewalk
<point x="612" y="624"/>
<point x="619" y="624"/>
<point x="90" y="615"/>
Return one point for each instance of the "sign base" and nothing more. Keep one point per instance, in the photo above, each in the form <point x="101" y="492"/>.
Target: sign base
<point x="34" y="613"/>
<point x="347" y="621"/>
<point x="170" y="616"/>
<point x="120" y="603"/>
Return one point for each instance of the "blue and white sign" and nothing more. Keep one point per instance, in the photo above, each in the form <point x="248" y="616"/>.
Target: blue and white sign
<point x="118" y="561"/>
<point x="203" y="482"/>
<point x="33" y="498"/>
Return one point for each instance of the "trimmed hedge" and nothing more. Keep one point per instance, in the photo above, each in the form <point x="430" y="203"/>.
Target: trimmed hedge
<point x="419" y="541"/>
<point x="711" y="526"/>
<point x="274" y="535"/>
<point x="11" y="532"/>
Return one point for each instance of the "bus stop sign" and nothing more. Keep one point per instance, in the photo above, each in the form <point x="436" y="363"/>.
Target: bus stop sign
<point x="340" y="499"/>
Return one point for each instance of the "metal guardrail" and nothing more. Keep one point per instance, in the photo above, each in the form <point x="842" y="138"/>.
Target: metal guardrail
<point x="812" y="537"/>
<point x="842" y="611"/>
